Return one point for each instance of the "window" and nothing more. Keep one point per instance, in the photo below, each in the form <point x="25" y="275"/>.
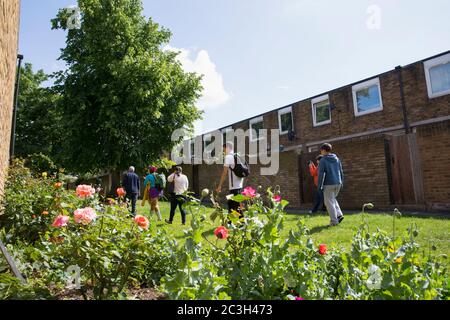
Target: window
<point x="285" y="120"/>
<point x="437" y="74"/>
<point x="367" y="97"/>
<point x="321" y="111"/>
<point x="256" y="124"/>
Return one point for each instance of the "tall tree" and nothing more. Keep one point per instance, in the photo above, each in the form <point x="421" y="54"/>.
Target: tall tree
<point x="38" y="118"/>
<point x="122" y="95"/>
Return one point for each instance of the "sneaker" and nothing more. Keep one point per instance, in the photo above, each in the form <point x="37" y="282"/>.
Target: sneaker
<point x="340" y="218"/>
<point x="168" y="221"/>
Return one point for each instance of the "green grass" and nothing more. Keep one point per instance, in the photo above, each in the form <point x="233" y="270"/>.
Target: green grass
<point x="432" y="231"/>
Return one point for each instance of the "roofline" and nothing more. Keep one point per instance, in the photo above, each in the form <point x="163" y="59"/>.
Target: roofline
<point x="329" y="91"/>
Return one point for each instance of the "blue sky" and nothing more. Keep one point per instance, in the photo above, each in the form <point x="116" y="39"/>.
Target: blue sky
<point x="258" y="55"/>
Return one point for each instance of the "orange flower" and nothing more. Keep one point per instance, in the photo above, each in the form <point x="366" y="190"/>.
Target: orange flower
<point x="398" y="260"/>
<point x="58" y="185"/>
<point x="44" y="213"/>
<point x="34" y="216"/>
<point x="142" y="221"/>
<point x="120" y="192"/>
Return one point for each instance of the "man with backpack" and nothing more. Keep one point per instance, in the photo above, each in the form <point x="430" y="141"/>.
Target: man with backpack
<point x="236" y="169"/>
<point x="157" y="184"/>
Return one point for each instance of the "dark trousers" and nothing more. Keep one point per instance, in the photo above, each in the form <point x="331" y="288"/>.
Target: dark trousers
<point x="133" y="198"/>
<point x="233" y="205"/>
<point x="318" y="201"/>
<point x="177" y="201"/>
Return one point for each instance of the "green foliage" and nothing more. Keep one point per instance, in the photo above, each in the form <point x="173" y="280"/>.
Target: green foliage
<point x="38" y="126"/>
<point x="121" y="90"/>
<point x="251" y="261"/>
<point x="257" y="263"/>
<point x="31" y="203"/>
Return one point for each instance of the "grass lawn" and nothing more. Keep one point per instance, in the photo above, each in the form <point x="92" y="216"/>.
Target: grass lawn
<point x="431" y="230"/>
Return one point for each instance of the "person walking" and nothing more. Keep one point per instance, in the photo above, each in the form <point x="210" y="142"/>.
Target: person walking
<point x="132" y="186"/>
<point x="235" y="183"/>
<point x="177" y="199"/>
<point x="331" y="180"/>
<point x="318" y="194"/>
<point x="154" y="192"/>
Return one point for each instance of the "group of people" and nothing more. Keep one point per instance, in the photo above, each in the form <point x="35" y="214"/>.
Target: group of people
<point x="154" y="184"/>
<point x="327" y="173"/>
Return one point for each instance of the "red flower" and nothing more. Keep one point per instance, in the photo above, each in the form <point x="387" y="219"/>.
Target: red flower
<point x="323" y="249"/>
<point x="120" y="192"/>
<point x="277" y="198"/>
<point x="221" y="232"/>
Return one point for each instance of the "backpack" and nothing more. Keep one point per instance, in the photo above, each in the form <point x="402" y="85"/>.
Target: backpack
<point x="160" y="181"/>
<point x="241" y="168"/>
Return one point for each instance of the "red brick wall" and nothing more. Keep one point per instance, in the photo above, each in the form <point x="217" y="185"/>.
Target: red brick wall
<point x="419" y="106"/>
<point x="365" y="173"/>
<point x="434" y="148"/>
<point x="9" y="29"/>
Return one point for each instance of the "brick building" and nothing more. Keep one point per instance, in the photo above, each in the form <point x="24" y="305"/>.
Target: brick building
<point x="391" y="131"/>
<point x="9" y="33"/>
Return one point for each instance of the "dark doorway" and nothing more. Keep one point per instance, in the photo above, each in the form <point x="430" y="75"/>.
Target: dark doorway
<point x="307" y="185"/>
<point x="195" y="180"/>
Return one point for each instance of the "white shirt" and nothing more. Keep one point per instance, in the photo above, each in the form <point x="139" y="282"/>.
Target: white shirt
<point x="234" y="182"/>
<point x="181" y="183"/>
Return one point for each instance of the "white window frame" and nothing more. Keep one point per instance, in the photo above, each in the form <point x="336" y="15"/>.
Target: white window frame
<point x="313" y="110"/>
<point x="434" y="63"/>
<point x="253" y="121"/>
<point x="364" y="85"/>
<point x="280" y="113"/>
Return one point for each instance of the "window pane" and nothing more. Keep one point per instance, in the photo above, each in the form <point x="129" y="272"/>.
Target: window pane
<point x="440" y="78"/>
<point x="257" y="126"/>
<point x="368" y="98"/>
<point x="322" y="110"/>
<point x="286" y="122"/>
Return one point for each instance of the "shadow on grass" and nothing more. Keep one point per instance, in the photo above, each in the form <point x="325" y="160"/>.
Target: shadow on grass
<point x="317" y="229"/>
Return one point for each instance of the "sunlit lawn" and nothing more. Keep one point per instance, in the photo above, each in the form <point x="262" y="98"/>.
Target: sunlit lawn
<point x="432" y="231"/>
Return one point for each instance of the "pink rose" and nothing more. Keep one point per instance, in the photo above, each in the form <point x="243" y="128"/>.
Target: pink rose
<point x="249" y="192"/>
<point x="277" y="198"/>
<point x="84" y="216"/>
<point x="60" y="221"/>
<point x="142" y="222"/>
<point x="84" y="191"/>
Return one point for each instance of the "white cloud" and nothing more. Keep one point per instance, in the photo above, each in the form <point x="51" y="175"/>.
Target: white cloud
<point x="214" y="93"/>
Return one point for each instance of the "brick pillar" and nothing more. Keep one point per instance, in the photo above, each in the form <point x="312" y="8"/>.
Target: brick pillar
<point x="9" y="34"/>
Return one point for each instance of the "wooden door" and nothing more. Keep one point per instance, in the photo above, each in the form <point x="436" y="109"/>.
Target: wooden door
<point x="405" y="170"/>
